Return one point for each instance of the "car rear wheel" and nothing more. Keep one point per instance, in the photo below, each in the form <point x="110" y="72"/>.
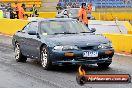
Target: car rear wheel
<point x="18" y="55"/>
<point x="45" y="61"/>
<point x="103" y="65"/>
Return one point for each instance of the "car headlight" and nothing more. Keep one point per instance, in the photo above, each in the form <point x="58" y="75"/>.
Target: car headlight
<point x="66" y="47"/>
<point x="105" y="45"/>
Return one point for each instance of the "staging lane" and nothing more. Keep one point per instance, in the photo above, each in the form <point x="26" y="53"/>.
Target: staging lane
<point x="31" y="74"/>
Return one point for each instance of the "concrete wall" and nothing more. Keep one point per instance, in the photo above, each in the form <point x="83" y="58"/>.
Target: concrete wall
<point x="121" y="42"/>
<point x="110" y="16"/>
<point x="10" y="26"/>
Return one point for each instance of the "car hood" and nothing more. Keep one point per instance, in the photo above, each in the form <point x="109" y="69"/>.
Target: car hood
<point x="77" y="39"/>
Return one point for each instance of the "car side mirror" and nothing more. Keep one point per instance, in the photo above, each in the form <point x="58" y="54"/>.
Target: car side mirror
<point x="93" y="29"/>
<point x="32" y="33"/>
<point x="19" y="30"/>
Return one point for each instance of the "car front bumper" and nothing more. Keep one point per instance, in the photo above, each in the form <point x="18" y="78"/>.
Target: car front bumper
<point x="76" y="57"/>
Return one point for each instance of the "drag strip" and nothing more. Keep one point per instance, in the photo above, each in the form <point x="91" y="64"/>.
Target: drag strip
<point x="32" y="75"/>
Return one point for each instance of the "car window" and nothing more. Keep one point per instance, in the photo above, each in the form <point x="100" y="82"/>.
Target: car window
<point x="26" y="28"/>
<point x="33" y="26"/>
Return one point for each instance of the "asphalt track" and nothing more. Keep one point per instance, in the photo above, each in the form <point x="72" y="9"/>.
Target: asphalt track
<point x="31" y="74"/>
<point x="108" y="27"/>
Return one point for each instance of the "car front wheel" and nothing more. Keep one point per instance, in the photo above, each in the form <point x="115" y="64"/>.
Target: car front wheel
<point x="18" y="55"/>
<point x="45" y="61"/>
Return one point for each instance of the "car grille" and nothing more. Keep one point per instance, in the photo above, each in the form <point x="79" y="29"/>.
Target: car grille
<point x="88" y="48"/>
<point x="88" y="58"/>
<point x="92" y="58"/>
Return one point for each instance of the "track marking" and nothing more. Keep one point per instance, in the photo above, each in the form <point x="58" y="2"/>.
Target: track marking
<point x="121" y="54"/>
<point x="6" y="35"/>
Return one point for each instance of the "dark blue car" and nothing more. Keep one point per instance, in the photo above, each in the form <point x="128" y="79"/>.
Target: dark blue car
<point x="61" y="41"/>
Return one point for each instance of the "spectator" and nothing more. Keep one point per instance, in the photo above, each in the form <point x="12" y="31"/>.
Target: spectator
<point x="17" y="9"/>
<point x="90" y="8"/>
<point x="1" y="14"/>
<point x="3" y="5"/>
<point x="8" y="7"/>
<point x="21" y="12"/>
<point x="10" y="11"/>
<point x="59" y="8"/>
<point x="33" y="9"/>
<point x="24" y="6"/>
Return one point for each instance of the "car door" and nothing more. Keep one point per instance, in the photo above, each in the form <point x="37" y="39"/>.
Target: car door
<point x="22" y="40"/>
<point x="31" y="43"/>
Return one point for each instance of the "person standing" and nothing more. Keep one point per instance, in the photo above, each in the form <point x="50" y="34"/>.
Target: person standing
<point x="33" y="10"/>
<point x="83" y="14"/>
<point x="90" y="8"/>
<point x="59" y="8"/>
<point x="21" y="12"/>
<point x="10" y="11"/>
<point x="24" y="6"/>
<point x="17" y="9"/>
<point x="1" y="14"/>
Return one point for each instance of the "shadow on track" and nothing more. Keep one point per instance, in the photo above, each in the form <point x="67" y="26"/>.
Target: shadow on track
<point x="70" y="68"/>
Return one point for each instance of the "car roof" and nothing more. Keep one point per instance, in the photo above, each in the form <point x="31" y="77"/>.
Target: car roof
<point x="53" y="19"/>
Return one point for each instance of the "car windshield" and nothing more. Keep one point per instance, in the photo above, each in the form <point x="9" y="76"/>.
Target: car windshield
<point x="63" y="27"/>
<point x="74" y="11"/>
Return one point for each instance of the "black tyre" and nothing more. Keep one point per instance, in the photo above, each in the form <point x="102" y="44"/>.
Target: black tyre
<point x="18" y="55"/>
<point x="103" y="65"/>
<point x="45" y="61"/>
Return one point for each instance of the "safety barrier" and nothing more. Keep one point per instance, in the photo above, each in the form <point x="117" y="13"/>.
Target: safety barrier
<point x="121" y="42"/>
<point x="98" y="15"/>
<point x="112" y="15"/>
<point x="10" y="26"/>
<point x="42" y="14"/>
<point x="128" y="27"/>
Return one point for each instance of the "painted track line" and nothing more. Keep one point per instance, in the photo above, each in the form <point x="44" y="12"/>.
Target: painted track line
<point x="6" y="35"/>
<point x="122" y="54"/>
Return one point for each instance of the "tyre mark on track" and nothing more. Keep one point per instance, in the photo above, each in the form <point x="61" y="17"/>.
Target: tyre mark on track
<point x="20" y="71"/>
<point x="6" y="49"/>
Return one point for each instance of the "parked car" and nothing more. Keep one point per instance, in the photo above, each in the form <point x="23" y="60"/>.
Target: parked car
<point x="72" y="13"/>
<point x="60" y="41"/>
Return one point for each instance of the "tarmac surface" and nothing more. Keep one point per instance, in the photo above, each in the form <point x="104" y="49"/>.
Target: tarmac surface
<point x="32" y="75"/>
<point x="113" y="27"/>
